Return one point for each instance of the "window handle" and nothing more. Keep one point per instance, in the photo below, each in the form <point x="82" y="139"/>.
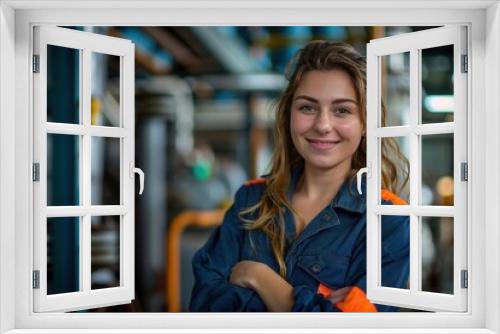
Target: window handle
<point x="135" y="170"/>
<point x="358" y="178"/>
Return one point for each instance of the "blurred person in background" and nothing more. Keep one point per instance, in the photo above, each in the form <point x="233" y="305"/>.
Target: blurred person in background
<point x="295" y="239"/>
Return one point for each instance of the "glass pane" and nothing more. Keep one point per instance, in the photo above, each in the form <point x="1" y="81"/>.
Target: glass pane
<point x="395" y="233"/>
<point x="437" y="254"/>
<point x="437" y="85"/>
<point x="63" y="170"/>
<point x="395" y="156"/>
<point x="63" y="255"/>
<point x="63" y="85"/>
<point x="105" y="252"/>
<point x="395" y="89"/>
<point x="437" y="169"/>
<point x="106" y="171"/>
<point x="105" y="107"/>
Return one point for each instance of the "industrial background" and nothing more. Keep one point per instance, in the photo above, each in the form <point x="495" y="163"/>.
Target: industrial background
<point x="204" y="117"/>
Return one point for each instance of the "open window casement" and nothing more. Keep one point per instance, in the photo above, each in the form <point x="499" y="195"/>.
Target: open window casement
<point x="415" y="131"/>
<point x="68" y="211"/>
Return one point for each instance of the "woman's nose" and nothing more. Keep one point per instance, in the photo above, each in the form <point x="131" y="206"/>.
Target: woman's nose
<point x="324" y="122"/>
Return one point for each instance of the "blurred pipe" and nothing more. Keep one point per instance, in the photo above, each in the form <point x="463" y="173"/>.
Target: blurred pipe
<point x="204" y="219"/>
<point x="183" y="107"/>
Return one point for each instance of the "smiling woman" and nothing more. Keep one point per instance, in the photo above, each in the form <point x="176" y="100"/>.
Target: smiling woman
<point x="296" y="240"/>
<point x="326" y="128"/>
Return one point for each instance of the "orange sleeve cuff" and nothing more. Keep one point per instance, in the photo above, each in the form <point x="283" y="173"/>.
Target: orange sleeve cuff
<point x="258" y="180"/>
<point x="324" y="290"/>
<point x="388" y="196"/>
<point x="356" y="301"/>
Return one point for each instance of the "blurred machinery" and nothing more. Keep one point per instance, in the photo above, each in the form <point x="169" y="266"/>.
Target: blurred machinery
<point x="164" y="122"/>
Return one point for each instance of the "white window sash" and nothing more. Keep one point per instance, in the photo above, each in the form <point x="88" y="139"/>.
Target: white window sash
<point x="414" y="297"/>
<point x="87" y="43"/>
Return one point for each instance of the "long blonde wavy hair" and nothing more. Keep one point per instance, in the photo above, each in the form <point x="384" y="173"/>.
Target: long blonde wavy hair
<point x="316" y="55"/>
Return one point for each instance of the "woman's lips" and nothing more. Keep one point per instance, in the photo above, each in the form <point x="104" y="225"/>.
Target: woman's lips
<point x="322" y="144"/>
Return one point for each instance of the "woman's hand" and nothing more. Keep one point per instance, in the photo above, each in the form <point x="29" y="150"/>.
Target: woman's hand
<point x="244" y="273"/>
<point x="275" y="292"/>
<point x="339" y="295"/>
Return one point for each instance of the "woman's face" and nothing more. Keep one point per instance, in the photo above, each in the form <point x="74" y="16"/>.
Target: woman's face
<point x="325" y="123"/>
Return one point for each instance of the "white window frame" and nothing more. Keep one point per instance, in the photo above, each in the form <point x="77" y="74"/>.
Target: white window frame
<point x="85" y="44"/>
<point x="16" y="19"/>
<point x="412" y="44"/>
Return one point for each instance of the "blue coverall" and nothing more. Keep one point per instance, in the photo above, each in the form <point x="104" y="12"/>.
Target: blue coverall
<point x="330" y="250"/>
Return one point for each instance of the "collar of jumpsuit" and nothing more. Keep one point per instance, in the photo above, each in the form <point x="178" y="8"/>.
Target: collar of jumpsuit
<point x="347" y="199"/>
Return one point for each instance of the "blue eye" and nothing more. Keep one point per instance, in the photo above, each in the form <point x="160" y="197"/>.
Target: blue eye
<point x="307" y="108"/>
<point x="343" y="110"/>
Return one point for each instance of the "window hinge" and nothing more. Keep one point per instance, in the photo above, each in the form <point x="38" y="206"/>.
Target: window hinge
<point x="36" y="172"/>
<point x="465" y="279"/>
<point x="36" y="279"/>
<point x="465" y="66"/>
<point x="464" y="171"/>
<point x="36" y="63"/>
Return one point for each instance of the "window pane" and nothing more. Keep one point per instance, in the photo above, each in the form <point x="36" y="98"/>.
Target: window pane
<point x="105" y="252"/>
<point x="437" y="254"/>
<point x="395" y="89"/>
<point x="437" y="169"/>
<point x="396" y="150"/>
<point x="63" y="170"/>
<point x="437" y="85"/>
<point x="105" y="108"/>
<point x="63" y="255"/>
<point x="395" y="251"/>
<point x="63" y="85"/>
<point x="106" y="171"/>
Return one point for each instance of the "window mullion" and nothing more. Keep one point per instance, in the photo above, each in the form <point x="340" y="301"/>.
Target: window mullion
<point x="420" y="210"/>
<point x="127" y="196"/>
<point x="419" y="129"/>
<point x="85" y="241"/>
<point x="373" y="195"/>
<point x="415" y="171"/>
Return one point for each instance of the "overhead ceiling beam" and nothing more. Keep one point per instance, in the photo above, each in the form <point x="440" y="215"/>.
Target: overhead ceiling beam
<point x="172" y="45"/>
<point x="230" y="52"/>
